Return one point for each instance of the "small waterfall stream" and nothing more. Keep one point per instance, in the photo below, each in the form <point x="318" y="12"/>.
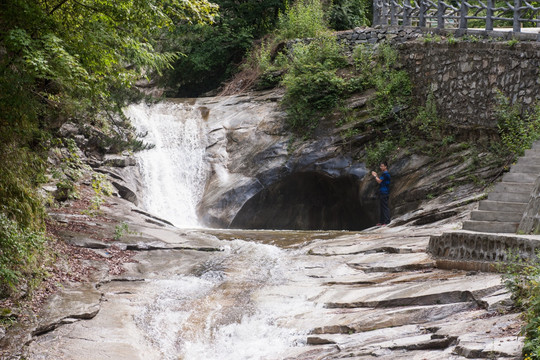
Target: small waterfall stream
<point x="174" y="171"/>
<point x="213" y="313"/>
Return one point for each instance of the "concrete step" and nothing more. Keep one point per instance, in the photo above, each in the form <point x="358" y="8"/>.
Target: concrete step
<point x="519" y="177"/>
<point x="500" y="216"/>
<point x="529" y="160"/>
<point x="532" y="152"/>
<point x="491" y="205"/>
<point x="536" y="145"/>
<point x="491" y="227"/>
<point x="526" y="169"/>
<point x="513" y="187"/>
<point x="509" y="197"/>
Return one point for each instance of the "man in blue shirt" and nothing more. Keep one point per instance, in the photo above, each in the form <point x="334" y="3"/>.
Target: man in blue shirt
<point x="384" y="192"/>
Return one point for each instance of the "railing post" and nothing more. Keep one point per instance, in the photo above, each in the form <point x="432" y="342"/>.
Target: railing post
<point x="440" y="14"/>
<point x="489" y="15"/>
<point x="376" y="13"/>
<point x="517" y="24"/>
<point x="393" y="18"/>
<point x="463" y="15"/>
<point x="406" y="13"/>
<point x="422" y="16"/>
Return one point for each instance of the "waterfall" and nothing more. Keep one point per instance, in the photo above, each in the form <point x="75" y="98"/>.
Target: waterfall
<point x="173" y="172"/>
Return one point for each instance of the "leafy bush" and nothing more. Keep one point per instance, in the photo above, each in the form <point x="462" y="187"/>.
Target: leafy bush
<point x="377" y="66"/>
<point x="305" y="19"/>
<point x="428" y="123"/>
<point x="521" y="278"/>
<point x="212" y="53"/>
<point x="348" y="14"/>
<point x="313" y="87"/>
<point x="517" y="130"/>
<point x="21" y="252"/>
<point x="380" y="151"/>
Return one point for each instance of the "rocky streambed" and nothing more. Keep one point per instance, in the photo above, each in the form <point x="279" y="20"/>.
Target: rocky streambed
<point x="236" y="294"/>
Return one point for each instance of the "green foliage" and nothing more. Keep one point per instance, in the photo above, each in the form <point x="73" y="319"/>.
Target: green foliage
<point x="19" y="255"/>
<point x="512" y="42"/>
<point x="313" y="87"/>
<point x="429" y="38"/>
<point x="63" y="60"/>
<point x="120" y="230"/>
<point x="428" y="124"/>
<point x="380" y="151"/>
<point x="517" y="130"/>
<point x="102" y="187"/>
<point x="348" y="14"/>
<point x="522" y="278"/>
<point x="305" y="19"/>
<point x="378" y="67"/>
<point x="213" y="52"/>
<point x="451" y="39"/>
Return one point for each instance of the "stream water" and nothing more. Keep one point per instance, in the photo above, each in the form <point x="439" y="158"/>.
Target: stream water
<point x="214" y="312"/>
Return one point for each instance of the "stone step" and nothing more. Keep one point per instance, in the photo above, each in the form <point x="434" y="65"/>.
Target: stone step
<point x="513" y="187"/>
<point x="526" y="169"/>
<point x="529" y="160"/>
<point x="500" y="216"/>
<point x="490" y="226"/>
<point x="519" y="177"/>
<point x="536" y="145"/>
<point x="532" y="152"/>
<point x="491" y="205"/>
<point x="510" y="197"/>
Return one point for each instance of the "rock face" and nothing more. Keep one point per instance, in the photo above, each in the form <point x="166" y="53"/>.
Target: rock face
<point x="258" y="180"/>
<point x="262" y="177"/>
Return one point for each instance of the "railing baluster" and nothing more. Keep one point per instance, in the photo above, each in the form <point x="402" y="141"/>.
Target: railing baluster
<point x="422" y="18"/>
<point x="463" y="15"/>
<point x="489" y="15"/>
<point x="393" y="18"/>
<point x="406" y="13"/>
<point x="376" y="13"/>
<point x="440" y="14"/>
<point x="517" y="24"/>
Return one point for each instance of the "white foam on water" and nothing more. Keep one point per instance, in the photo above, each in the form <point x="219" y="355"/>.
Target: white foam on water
<point x="174" y="171"/>
<point x="216" y="313"/>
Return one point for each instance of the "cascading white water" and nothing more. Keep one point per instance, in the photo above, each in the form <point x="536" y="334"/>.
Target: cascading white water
<point x="214" y="314"/>
<point x="174" y="171"/>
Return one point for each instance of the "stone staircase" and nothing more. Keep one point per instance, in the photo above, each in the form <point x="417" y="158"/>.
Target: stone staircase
<point x="506" y="203"/>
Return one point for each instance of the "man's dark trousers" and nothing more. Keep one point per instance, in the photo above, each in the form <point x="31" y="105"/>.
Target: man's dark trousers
<point x="384" y="209"/>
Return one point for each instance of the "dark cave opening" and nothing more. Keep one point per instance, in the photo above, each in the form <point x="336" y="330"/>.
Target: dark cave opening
<point x="308" y="201"/>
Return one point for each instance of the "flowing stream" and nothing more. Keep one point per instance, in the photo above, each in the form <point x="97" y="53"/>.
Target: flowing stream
<point x="213" y="313"/>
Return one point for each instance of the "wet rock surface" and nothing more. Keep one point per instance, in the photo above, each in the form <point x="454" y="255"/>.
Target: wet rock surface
<point x="261" y="175"/>
<point x="235" y="294"/>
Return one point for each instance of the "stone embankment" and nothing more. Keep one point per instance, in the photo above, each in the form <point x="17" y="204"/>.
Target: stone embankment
<point x="463" y="70"/>
<point x="371" y="294"/>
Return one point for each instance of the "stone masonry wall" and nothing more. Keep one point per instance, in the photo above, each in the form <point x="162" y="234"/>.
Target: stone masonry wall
<point x="467" y="246"/>
<point x="465" y="73"/>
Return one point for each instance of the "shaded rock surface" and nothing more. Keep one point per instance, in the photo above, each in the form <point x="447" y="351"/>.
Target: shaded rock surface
<point x="263" y="177"/>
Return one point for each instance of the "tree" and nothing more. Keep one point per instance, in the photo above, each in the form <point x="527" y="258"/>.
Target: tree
<point x="67" y="60"/>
